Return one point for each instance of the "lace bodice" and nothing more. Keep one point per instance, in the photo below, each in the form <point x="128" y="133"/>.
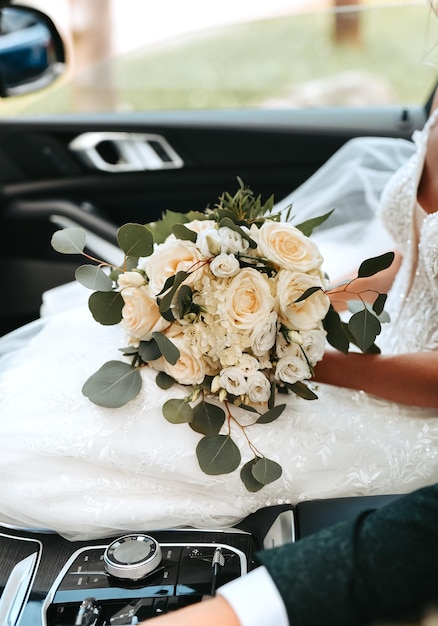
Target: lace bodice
<point x="413" y="299"/>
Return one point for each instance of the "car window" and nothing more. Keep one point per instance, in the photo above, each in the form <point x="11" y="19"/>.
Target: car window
<point x="302" y="54"/>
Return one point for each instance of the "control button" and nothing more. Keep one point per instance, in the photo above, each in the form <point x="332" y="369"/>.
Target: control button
<point x="132" y="557"/>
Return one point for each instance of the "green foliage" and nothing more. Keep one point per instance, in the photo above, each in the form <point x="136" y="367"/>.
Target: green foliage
<point x="217" y="454"/>
<point x="178" y="411"/>
<point x="106" y="307"/>
<point x="208" y="418"/>
<point x="69" y="240"/>
<point x="272" y="414"/>
<point x="258" y="472"/>
<point x="113" y="385"/>
<point x="167" y="348"/>
<point x="308" y="226"/>
<point x="93" y="277"/>
<point x="135" y="240"/>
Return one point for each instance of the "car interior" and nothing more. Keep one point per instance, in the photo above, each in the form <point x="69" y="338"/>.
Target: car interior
<point x="99" y="171"/>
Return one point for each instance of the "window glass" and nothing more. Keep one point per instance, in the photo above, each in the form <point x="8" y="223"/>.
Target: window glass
<point x="342" y="52"/>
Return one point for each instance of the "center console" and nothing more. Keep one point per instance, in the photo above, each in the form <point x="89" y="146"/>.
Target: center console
<point x="46" y="580"/>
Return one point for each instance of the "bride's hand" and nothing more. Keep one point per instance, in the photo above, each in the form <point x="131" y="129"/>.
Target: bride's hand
<point x="214" y="612"/>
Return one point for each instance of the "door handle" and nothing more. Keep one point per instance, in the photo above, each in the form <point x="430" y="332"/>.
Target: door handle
<point x="125" y="152"/>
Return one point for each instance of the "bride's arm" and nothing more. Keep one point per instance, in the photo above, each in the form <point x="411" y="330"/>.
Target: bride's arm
<point x="405" y="378"/>
<point x="367" y="287"/>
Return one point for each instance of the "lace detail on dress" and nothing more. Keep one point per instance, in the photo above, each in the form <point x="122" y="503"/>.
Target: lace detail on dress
<point x="413" y="299"/>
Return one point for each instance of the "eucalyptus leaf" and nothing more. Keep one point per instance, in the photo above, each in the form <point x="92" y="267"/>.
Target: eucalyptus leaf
<point x="208" y="418"/>
<point x="177" y="411"/>
<point x="164" y="381"/>
<point x="301" y="390"/>
<point x="182" y="232"/>
<point x="371" y="266"/>
<point x="308" y="293"/>
<point x="364" y="326"/>
<point x="271" y="415"/>
<point x="184" y="300"/>
<point x="217" y="454"/>
<point x="228" y="223"/>
<point x="106" y="307"/>
<point x="69" y="240"/>
<point x="335" y="332"/>
<point x="247" y="477"/>
<point x="135" y="240"/>
<point x="93" y="277"/>
<point x="175" y="281"/>
<point x="149" y="350"/>
<point x="379" y="304"/>
<point x="266" y="471"/>
<point x="167" y="348"/>
<point x="113" y="385"/>
<point x="308" y="226"/>
<point x="162" y="228"/>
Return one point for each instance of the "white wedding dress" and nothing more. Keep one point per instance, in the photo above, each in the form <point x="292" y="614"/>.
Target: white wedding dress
<point x="86" y="471"/>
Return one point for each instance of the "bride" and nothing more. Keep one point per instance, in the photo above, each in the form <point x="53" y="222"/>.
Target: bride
<point x="87" y="471"/>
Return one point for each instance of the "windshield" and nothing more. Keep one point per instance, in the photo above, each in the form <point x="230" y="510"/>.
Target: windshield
<point x="284" y="54"/>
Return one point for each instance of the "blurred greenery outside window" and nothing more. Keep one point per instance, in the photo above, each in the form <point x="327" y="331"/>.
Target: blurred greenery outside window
<point x="291" y="61"/>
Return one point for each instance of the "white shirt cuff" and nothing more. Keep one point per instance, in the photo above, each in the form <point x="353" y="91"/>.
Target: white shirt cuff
<point x="255" y="599"/>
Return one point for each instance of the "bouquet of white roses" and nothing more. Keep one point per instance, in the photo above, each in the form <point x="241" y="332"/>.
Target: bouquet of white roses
<point x="232" y="303"/>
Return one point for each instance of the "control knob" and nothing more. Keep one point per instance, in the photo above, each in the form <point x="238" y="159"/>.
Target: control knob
<point x="132" y="557"/>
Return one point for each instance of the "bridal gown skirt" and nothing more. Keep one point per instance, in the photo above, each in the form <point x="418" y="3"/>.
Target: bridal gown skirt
<point x="86" y="471"/>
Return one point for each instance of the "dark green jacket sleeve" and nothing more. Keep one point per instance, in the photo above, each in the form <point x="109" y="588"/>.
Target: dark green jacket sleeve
<point x="384" y="565"/>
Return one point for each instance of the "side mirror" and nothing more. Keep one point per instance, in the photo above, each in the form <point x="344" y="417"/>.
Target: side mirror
<point x="32" y="53"/>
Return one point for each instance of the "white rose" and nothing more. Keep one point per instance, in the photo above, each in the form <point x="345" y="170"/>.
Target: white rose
<point x="169" y="258"/>
<point x="188" y="370"/>
<point x="231" y="241"/>
<point x="140" y="314"/>
<point x="248" y="364"/>
<point x="249" y="299"/>
<point x="306" y="314"/>
<point x="287" y="247"/>
<point x="130" y="279"/>
<point x="259" y="387"/>
<point x="208" y="242"/>
<point x="224" y="266"/>
<point x="264" y="334"/>
<point x="233" y="380"/>
<point x="314" y="344"/>
<point x="292" y="368"/>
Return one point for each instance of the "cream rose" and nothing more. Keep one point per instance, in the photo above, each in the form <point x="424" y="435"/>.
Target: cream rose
<point x="188" y="370"/>
<point x="259" y="387"/>
<point x="224" y="266"/>
<point x="140" y="314"/>
<point x="233" y="380"/>
<point x="308" y="313"/>
<point x="199" y="225"/>
<point x="249" y="299"/>
<point x="287" y="247"/>
<point x="169" y="258"/>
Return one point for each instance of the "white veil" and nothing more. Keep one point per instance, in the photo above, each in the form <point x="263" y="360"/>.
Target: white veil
<point x="351" y="182"/>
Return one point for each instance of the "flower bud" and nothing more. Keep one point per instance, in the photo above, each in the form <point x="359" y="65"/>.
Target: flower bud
<point x="295" y="337"/>
<point x="215" y="384"/>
